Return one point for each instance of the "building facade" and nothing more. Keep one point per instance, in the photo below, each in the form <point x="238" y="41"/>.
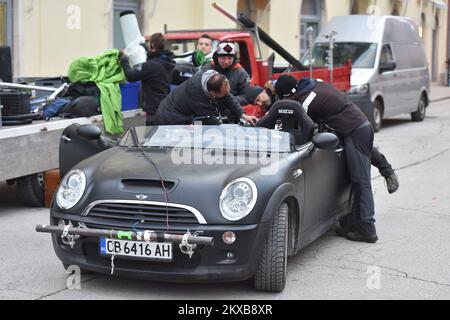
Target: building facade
<point x="47" y="35"/>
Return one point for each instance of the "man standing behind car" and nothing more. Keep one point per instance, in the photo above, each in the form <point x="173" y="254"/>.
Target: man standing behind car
<point x="156" y="75"/>
<point x="265" y="98"/>
<point x="225" y="62"/>
<point x="324" y="103"/>
<point x="203" y="97"/>
<point x="204" y="44"/>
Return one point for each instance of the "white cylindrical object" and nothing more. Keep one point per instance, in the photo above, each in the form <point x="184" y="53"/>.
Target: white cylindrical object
<point x="133" y="39"/>
<point x="130" y="27"/>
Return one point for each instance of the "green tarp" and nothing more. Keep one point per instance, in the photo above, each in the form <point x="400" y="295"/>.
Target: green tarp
<point x="106" y="71"/>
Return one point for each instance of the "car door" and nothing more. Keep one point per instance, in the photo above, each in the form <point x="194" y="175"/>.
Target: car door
<point x="325" y="186"/>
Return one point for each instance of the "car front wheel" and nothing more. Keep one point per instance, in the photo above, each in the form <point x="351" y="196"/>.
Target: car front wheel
<point x="272" y="266"/>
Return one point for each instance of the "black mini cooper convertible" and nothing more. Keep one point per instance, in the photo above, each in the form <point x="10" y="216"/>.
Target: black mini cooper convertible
<point x="195" y="203"/>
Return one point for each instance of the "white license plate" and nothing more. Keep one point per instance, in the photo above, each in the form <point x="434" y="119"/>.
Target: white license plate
<point x="136" y="249"/>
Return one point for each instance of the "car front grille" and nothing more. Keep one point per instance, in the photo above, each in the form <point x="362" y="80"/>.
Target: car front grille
<point x="145" y="213"/>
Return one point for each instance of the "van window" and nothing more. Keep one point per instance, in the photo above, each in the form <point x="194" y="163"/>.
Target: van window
<point x="386" y="54"/>
<point x="362" y="55"/>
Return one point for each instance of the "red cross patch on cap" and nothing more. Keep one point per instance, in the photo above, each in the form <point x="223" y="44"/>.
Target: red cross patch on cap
<point x="226" y="49"/>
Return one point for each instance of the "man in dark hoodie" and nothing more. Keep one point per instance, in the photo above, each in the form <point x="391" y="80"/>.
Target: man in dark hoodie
<point x="155" y="74"/>
<point x="324" y="103"/>
<point x="265" y="98"/>
<point x="225" y="62"/>
<point x="201" y="98"/>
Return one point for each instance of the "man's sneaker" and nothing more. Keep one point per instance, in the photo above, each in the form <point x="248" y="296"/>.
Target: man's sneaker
<point x="361" y="237"/>
<point x="392" y="183"/>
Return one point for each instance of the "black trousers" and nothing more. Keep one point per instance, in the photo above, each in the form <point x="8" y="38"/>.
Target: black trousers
<point x="358" y="148"/>
<point x="379" y="160"/>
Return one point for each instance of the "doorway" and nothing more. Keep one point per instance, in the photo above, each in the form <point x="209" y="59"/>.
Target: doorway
<point x="435" y="52"/>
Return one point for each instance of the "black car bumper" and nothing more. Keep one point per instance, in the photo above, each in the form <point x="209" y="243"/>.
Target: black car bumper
<point x="221" y="262"/>
<point x="362" y="100"/>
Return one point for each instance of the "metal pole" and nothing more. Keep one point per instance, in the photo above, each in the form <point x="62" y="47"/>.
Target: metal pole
<point x="309" y="32"/>
<point x="144" y="236"/>
<point x="227" y="14"/>
<point x="57" y="92"/>
<point x="22" y="86"/>
<point x="331" y="54"/>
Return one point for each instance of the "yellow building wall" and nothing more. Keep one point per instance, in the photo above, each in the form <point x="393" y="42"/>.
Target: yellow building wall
<point x="55" y="32"/>
<point x="285" y="24"/>
<point x="335" y="8"/>
<point x="189" y="14"/>
<point x="50" y="34"/>
<point x="212" y="19"/>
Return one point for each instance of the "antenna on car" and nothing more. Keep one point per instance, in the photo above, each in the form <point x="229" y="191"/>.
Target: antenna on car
<point x="134" y="136"/>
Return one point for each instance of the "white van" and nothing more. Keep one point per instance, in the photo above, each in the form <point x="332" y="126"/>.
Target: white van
<point x="390" y="71"/>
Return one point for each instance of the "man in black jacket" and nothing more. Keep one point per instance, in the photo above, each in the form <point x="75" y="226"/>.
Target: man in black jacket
<point x="155" y="74"/>
<point x="203" y="97"/>
<point x="324" y="103"/>
<point x="225" y="62"/>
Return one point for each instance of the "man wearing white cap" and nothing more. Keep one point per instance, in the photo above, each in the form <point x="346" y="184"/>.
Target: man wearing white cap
<point x="225" y="62"/>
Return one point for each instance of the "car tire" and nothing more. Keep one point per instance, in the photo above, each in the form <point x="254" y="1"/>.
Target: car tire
<point x="271" y="271"/>
<point x="420" y="114"/>
<point x="31" y="190"/>
<point x="377" y="115"/>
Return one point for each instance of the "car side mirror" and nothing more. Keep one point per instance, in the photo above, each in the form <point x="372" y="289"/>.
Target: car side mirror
<point x="325" y="140"/>
<point x="388" y="66"/>
<point x="89" y="132"/>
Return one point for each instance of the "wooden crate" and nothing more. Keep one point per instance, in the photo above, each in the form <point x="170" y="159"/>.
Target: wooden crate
<point x="51" y="182"/>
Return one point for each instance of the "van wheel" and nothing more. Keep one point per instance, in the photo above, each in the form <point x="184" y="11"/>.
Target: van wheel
<point x="420" y="114"/>
<point x="377" y="115"/>
<point x="31" y="189"/>
<point x="271" y="271"/>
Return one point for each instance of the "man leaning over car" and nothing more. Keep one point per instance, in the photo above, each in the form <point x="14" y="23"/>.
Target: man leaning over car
<point x="324" y="103"/>
<point x="265" y="98"/>
<point x="202" y="97"/>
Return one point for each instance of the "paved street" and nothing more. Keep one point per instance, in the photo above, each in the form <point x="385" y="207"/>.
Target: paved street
<point x="411" y="260"/>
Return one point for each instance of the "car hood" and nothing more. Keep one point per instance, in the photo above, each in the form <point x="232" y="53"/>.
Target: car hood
<point x="121" y="174"/>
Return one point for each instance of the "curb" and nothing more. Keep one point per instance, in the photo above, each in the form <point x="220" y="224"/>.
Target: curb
<point x="439" y="99"/>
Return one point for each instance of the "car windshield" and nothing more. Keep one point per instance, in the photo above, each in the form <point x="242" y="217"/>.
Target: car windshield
<point x="224" y="137"/>
<point x="362" y="55"/>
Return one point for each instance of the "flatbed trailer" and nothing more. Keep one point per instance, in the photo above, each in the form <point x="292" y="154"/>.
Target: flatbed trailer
<point x="27" y="151"/>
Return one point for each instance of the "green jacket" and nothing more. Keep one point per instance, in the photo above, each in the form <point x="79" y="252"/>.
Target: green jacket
<point x="106" y="71"/>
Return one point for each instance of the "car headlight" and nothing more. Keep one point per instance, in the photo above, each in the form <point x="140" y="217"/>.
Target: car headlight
<point x="364" y="88"/>
<point x="238" y="199"/>
<point x="71" y="189"/>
